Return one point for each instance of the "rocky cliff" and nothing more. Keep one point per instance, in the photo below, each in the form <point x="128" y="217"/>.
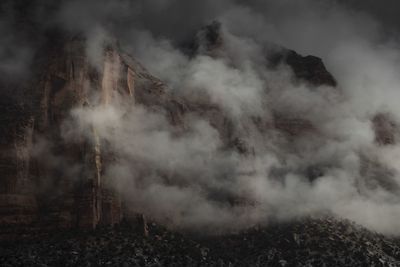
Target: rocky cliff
<point x="41" y="190"/>
<point x="67" y="187"/>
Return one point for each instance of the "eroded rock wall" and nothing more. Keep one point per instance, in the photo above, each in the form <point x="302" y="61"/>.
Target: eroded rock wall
<point x="62" y="183"/>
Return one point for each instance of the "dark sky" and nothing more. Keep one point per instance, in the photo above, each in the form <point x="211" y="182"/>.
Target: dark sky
<point x="176" y="19"/>
<point x="386" y="11"/>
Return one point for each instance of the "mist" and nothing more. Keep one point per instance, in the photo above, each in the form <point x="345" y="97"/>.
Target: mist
<point x="363" y="59"/>
<point x="186" y="176"/>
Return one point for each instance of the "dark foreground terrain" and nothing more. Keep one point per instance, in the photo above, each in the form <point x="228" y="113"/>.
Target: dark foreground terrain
<point x="326" y="242"/>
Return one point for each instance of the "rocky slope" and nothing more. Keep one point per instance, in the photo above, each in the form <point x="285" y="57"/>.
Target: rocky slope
<point x="311" y="242"/>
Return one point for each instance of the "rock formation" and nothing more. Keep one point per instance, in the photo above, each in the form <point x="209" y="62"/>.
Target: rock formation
<point x="41" y="191"/>
<point x="63" y="200"/>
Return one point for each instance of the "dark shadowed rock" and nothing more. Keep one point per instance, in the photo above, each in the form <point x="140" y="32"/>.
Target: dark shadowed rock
<point x="386" y="129"/>
<point x="308" y="242"/>
<point x="309" y="69"/>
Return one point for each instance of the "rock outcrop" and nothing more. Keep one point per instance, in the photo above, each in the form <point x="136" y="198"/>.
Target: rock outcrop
<point x="42" y="191"/>
<point x="34" y="189"/>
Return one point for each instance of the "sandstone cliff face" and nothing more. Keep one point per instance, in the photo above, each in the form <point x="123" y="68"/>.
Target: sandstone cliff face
<point x="36" y="190"/>
<point x="38" y="184"/>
